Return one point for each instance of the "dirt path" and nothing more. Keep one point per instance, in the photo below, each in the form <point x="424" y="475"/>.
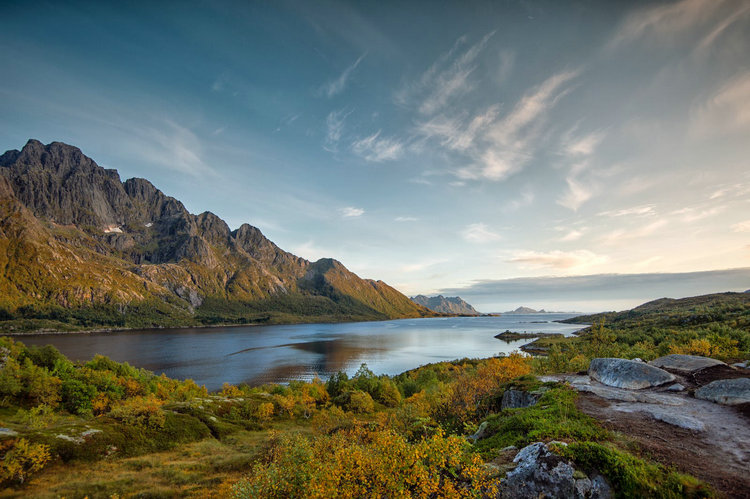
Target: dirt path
<point x="707" y="440"/>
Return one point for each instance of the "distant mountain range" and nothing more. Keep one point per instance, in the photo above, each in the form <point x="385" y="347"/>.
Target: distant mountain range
<point x="80" y="249"/>
<point x="445" y="304"/>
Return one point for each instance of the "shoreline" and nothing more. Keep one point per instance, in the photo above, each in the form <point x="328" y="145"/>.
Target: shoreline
<point x="204" y="326"/>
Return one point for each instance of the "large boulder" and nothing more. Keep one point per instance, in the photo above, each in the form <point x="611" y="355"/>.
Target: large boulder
<point x="622" y="373"/>
<point x="685" y="364"/>
<point x="542" y="473"/>
<point x="726" y="391"/>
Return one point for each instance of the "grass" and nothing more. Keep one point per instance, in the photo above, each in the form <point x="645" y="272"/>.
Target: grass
<point x="554" y="417"/>
<point x="190" y="470"/>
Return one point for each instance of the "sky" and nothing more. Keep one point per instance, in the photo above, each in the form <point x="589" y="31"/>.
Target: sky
<point x="443" y="147"/>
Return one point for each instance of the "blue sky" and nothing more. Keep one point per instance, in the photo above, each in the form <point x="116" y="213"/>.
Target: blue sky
<point x="435" y="145"/>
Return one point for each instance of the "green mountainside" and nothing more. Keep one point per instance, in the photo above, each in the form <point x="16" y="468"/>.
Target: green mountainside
<point x="729" y="309"/>
<point x="81" y="249"/>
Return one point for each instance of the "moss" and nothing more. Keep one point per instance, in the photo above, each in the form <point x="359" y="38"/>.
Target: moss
<point x="554" y="417"/>
<point x="631" y="476"/>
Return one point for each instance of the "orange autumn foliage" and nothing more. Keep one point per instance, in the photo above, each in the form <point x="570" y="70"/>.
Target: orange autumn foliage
<point x="467" y="397"/>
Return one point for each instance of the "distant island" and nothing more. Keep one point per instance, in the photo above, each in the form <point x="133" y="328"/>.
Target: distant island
<point x="445" y="305"/>
<point x="527" y="310"/>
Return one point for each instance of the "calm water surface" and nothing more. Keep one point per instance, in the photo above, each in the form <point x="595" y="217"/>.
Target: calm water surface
<point x="262" y="354"/>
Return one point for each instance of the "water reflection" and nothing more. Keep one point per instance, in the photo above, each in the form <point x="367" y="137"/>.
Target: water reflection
<point x="262" y="354"/>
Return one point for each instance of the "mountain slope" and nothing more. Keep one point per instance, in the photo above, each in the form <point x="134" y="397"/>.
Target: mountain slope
<point x="80" y="247"/>
<point x="445" y="304"/>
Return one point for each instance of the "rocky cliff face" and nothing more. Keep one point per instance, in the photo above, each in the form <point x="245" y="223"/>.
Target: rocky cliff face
<point x="445" y="305"/>
<point x="122" y="243"/>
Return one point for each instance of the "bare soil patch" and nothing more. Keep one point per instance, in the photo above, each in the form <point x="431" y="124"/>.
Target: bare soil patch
<point x="688" y="451"/>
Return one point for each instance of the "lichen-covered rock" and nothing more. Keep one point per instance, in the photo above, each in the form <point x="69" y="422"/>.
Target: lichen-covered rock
<point x="516" y="399"/>
<point x="622" y="373"/>
<point x="685" y="364"/>
<point x="726" y="391"/>
<point x="542" y="473"/>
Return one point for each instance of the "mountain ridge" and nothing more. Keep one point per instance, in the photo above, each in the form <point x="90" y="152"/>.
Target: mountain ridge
<point x="73" y="236"/>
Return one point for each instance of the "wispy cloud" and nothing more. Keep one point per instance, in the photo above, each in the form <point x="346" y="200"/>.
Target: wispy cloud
<point x="583" y="146"/>
<point x="479" y="233"/>
<point x="742" y="226"/>
<point x="447" y="78"/>
<point x="351" y="212"/>
<point x="573" y="235"/>
<point x="525" y="199"/>
<point x="406" y="219"/>
<point x="378" y="149"/>
<point x="693" y="215"/>
<point x="575" y="195"/>
<point x="178" y="148"/>
<point x="334" y="129"/>
<point x="726" y="111"/>
<point x="619" y="236"/>
<point x="665" y="22"/>
<point x="457" y="132"/>
<point x="509" y="143"/>
<point x="646" y="210"/>
<point x="338" y="85"/>
<point x="557" y="260"/>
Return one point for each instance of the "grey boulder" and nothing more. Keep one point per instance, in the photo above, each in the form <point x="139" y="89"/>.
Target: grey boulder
<point x="542" y="473"/>
<point x="685" y="364"/>
<point x="622" y="373"/>
<point x="726" y="391"/>
<point x="515" y="399"/>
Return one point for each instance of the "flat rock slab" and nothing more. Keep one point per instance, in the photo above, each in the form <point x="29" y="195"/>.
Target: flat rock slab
<point x="622" y="373"/>
<point x="726" y="391"/>
<point x="685" y="364"/>
<point x="669" y="415"/>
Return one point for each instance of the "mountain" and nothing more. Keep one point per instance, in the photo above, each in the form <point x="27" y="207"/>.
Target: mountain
<point x="445" y="304"/>
<point x="80" y="248"/>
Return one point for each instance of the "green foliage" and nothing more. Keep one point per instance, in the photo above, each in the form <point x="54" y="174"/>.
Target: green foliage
<point x="77" y="396"/>
<point x="554" y="417"/>
<point x="633" y="477"/>
<point x="21" y="459"/>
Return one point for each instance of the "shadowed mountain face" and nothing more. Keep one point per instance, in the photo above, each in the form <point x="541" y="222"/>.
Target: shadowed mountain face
<point x="74" y="238"/>
<point x="445" y="304"/>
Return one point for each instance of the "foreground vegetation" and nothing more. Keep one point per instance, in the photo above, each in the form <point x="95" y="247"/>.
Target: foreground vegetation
<point x="101" y="428"/>
<point x="105" y="429"/>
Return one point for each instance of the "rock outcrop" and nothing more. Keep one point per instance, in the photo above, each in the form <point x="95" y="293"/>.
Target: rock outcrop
<point x="726" y="391"/>
<point x="516" y="399"/>
<point x="685" y="364"/>
<point x="540" y="472"/>
<point x="622" y="373"/>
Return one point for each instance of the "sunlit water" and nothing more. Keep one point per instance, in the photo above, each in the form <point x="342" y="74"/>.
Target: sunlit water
<point x="262" y="354"/>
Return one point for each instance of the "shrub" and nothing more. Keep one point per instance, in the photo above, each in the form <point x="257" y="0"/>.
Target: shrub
<point x="21" y="459"/>
<point x="362" y="463"/>
<point x="37" y="417"/>
<point x="264" y="411"/>
<point x="144" y="412"/>
<point x="360" y="402"/>
<point x="77" y="396"/>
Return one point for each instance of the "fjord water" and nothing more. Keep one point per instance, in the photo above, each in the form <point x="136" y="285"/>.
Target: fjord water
<point x="264" y="354"/>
